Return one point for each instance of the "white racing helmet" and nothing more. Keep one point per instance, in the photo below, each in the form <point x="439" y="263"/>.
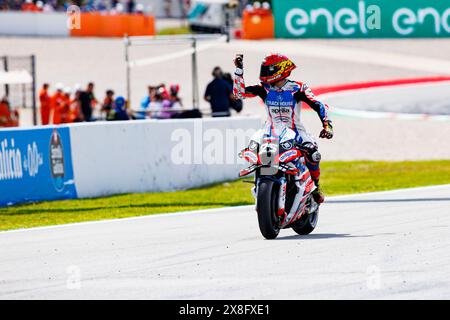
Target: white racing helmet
<point x="139" y="7"/>
<point x="59" y="86"/>
<point x="77" y="87"/>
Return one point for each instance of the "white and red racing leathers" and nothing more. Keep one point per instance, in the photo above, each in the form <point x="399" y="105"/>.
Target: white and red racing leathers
<point x="283" y="106"/>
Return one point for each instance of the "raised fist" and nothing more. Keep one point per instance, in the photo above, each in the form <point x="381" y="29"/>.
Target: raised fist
<point x="239" y="61"/>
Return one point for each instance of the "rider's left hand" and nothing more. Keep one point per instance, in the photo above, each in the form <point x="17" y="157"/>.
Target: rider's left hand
<point x="327" y="131"/>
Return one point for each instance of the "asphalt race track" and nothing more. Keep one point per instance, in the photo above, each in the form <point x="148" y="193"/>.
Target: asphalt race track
<point x="387" y="245"/>
<point x="425" y="98"/>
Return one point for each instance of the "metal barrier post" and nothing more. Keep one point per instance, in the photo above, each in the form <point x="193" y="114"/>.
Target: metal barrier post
<point x="5" y="67"/>
<point x="33" y="88"/>
<point x="194" y="75"/>
<point x="127" y="59"/>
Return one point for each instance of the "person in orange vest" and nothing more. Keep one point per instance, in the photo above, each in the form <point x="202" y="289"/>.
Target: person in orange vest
<point x="7" y="118"/>
<point x="57" y="104"/>
<point x="44" y="99"/>
<point x="75" y="107"/>
<point x="29" y="6"/>
<point x="65" y="108"/>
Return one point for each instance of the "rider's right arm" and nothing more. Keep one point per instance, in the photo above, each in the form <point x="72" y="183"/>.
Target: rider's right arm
<point x="256" y="91"/>
<point x="241" y="91"/>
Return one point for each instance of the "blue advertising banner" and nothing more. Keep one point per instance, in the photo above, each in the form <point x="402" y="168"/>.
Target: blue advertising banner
<point x="35" y="165"/>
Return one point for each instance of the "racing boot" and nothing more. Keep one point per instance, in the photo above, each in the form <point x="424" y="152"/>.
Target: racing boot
<point x="317" y="194"/>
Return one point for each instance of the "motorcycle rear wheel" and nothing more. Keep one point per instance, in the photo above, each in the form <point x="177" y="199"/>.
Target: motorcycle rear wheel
<point x="307" y="223"/>
<point x="267" y="203"/>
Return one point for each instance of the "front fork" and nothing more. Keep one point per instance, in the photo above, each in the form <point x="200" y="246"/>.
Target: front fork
<point x="281" y="195"/>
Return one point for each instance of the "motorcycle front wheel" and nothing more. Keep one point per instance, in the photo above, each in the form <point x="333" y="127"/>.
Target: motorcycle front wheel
<point x="267" y="205"/>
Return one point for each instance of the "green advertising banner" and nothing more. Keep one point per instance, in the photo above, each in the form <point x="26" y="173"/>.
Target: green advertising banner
<point x="361" y="18"/>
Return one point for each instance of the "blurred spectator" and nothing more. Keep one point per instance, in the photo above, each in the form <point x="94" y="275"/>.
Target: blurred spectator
<point x="29" y="5"/>
<point x="168" y="8"/>
<point x="139" y="8"/>
<point x="8" y="118"/>
<point x="48" y="7"/>
<point x="151" y="102"/>
<point x="114" y="3"/>
<point x="175" y="100"/>
<point x="218" y="94"/>
<point x="119" y="8"/>
<point x="68" y="105"/>
<point x="75" y="106"/>
<point x="108" y="103"/>
<point x="88" y="102"/>
<point x="165" y="104"/>
<point x="100" y="5"/>
<point x="119" y="110"/>
<point x="114" y="6"/>
<point x="44" y="99"/>
<point x="57" y="104"/>
<point x="131" y="5"/>
<point x="186" y="7"/>
<point x="157" y="102"/>
<point x="145" y="102"/>
<point x="40" y="6"/>
<point x="65" y="110"/>
<point x="235" y="104"/>
<point x="10" y="5"/>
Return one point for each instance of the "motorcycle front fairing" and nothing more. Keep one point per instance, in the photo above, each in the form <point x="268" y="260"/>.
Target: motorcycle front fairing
<point x="271" y="148"/>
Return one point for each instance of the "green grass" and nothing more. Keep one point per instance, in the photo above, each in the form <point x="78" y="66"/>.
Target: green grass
<point x="174" y="31"/>
<point x="337" y="178"/>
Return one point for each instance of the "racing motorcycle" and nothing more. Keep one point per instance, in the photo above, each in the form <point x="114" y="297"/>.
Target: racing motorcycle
<point x="282" y="186"/>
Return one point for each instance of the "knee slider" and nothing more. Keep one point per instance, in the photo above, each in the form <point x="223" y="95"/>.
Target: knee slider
<point x="316" y="156"/>
<point x="311" y="152"/>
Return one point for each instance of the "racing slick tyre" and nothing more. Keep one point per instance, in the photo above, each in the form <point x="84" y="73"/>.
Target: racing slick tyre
<point x="307" y="223"/>
<point x="267" y="203"/>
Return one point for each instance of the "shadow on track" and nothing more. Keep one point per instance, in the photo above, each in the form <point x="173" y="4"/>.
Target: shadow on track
<point x="315" y="236"/>
<point x="388" y="200"/>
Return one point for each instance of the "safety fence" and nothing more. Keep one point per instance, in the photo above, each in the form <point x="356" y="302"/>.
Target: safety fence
<point x="99" y="159"/>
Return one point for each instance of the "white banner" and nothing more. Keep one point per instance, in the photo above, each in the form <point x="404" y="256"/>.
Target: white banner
<point x="33" y="24"/>
<point x="157" y="155"/>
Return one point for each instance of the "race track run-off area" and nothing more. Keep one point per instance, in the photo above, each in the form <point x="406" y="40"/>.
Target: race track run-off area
<point x="387" y="245"/>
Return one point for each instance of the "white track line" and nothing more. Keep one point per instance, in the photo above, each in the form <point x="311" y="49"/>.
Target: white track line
<point x="367" y="114"/>
<point x="387" y="87"/>
<point x="213" y="210"/>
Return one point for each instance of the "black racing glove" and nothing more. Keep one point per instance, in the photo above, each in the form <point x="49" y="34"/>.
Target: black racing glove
<point x="327" y="131"/>
<point x="239" y="63"/>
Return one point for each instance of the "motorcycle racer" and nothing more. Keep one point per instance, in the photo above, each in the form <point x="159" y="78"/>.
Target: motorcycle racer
<point x="283" y="98"/>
